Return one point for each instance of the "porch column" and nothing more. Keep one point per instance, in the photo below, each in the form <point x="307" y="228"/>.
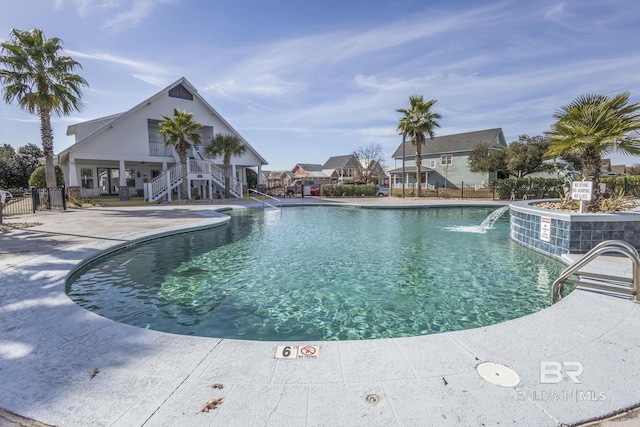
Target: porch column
<point x="123" y="190"/>
<point x="167" y="180"/>
<point x="259" y="174"/>
<point x="73" y="186"/>
<point x="73" y="173"/>
<point x="233" y="175"/>
<point x="123" y="175"/>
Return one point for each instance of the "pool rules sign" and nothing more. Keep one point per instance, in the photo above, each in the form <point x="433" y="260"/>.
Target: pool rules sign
<point x="581" y="190"/>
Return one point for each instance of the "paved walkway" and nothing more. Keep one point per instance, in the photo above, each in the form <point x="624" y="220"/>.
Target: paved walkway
<point x="49" y="346"/>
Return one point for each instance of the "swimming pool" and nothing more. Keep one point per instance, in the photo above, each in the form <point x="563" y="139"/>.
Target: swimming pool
<point x="322" y="273"/>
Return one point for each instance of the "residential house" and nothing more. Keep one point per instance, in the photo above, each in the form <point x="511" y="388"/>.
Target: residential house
<point x="311" y="172"/>
<point x="264" y="176"/>
<point x="373" y="173"/>
<point x="445" y="160"/>
<point x="123" y="153"/>
<point x="342" y="168"/>
<point x="279" y="179"/>
<point x="607" y="169"/>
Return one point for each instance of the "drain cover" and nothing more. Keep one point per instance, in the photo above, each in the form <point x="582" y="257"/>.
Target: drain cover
<point x="372" y="398"/>
<point x="498" y="374"/>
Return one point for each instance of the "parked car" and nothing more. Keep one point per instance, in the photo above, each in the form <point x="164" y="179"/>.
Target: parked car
<point x="296" y="188"/>
<point x="383" y="191"/>
<point x="5" y="196"/>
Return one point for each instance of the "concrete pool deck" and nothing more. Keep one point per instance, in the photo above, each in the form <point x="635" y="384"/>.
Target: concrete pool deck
<point x="49" y="346"/>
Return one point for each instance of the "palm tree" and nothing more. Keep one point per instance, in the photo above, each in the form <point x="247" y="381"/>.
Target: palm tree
<point x="226" y="146"/>
<point x="593" y="125"/>
<point x="415" y="123"/>
<point x="181" y="133"/>
<point x="42" y="81"/>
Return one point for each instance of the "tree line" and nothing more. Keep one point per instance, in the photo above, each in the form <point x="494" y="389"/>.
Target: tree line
<point x="520" y="158"/>
<point x="43" y="82"/>
<point x="17" y="166"/>
<point x="585" y="130"/>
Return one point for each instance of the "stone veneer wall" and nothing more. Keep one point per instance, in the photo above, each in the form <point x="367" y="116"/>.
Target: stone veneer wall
<point x="570" y="231"/>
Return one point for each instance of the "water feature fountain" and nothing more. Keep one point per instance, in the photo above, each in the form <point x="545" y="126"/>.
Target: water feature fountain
<point x="485" y="225"/>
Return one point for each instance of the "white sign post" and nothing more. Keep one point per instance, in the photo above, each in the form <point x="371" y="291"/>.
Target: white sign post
<point x="581" y="190"/>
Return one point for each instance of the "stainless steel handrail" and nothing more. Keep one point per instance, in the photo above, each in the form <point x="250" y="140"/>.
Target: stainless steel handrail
<point x="608" y="246"/>
<point x="262" y="200"/>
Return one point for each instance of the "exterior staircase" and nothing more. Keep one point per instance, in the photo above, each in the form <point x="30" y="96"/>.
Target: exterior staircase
<point x="200" y="170"/>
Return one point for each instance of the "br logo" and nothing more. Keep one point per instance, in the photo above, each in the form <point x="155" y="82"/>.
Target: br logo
<point x="555" y="372"/>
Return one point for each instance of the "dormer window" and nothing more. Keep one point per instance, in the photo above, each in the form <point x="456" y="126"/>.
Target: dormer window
<point x="180" y="92"/>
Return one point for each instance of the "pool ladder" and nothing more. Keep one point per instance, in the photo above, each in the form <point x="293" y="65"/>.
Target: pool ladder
<point x="603" y="282"/>
<point x="262" y="200"/>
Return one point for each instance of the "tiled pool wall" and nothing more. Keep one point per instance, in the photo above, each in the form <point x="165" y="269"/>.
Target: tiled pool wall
<point x="556" y="233"/>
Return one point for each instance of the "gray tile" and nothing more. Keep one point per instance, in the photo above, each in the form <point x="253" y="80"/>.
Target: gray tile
<point x="346" y="405"/>
<point x="373" y="360"/>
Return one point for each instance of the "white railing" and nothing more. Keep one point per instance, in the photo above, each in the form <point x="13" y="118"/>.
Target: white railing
<point x="165" y="182"/>
<point x="218" y="175"/>
<point x="200" y="166"/>
<point x="207" y="166"/>
<point x="263" y="201"/>
<point x="158" y="149"/>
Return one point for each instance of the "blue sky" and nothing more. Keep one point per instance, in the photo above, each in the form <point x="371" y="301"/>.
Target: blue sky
<point x="303" y="81"/>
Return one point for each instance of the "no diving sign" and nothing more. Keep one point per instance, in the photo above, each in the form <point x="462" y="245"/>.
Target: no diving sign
<point x="294" y="351"/>
<point x="581" y="190"/>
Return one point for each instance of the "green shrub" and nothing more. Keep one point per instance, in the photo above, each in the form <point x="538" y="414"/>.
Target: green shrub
<point x="39" y="180"/>
<point x="629" y="185"/>
<point x="341" y="190"/>
<point x="533" y="188"/>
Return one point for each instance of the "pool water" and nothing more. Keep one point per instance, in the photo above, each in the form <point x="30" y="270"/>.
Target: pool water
<point x="322" y="273"/>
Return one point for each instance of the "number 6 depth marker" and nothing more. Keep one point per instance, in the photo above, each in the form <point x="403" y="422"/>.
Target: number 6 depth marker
<point x="287" y="352"/>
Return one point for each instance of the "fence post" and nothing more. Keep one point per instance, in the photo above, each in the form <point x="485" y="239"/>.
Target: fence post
<point x="462" y="190"/>
<point x="34" y="199"/>
<point x="64" y="198"/>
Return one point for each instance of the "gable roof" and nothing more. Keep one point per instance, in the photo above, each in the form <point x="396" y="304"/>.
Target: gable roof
<point x="279" y="174"/>
<point x="460" y="142"/>
<point x="110" y="121"/>
<point x="338" y="162"/>
<point x="310" y="167"/>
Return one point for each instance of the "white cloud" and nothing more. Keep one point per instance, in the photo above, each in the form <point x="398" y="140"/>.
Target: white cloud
<point x="261" y="85"/>
<point x="154" y="74"/>
<point x="555" y="12"/>
<point x="122" y="14"/>
<point x="282" y="67"/>
<point x="130" y="18"/>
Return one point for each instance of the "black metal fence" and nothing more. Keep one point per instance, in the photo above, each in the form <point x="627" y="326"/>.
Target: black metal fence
<point x="503" y="189"/>
<point x="32" y="201"/>
<point x="460" y="191"/>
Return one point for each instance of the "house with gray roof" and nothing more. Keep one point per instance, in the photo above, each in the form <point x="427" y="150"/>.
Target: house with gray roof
<point x="343" y="168"/>
<point x="445" y="160"/>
